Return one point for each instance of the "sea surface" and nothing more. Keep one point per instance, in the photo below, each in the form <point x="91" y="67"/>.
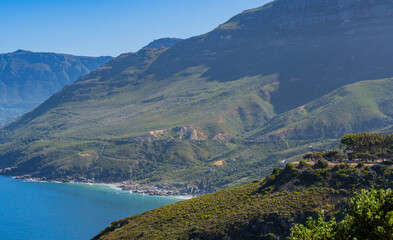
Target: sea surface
<point x="65" y="211"/>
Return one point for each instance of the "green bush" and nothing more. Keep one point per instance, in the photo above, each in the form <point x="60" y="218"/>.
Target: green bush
<point x="321" y="164"/>
<point x="302" y="163"/>
<point x="360" y="165"/>
<point x="370" y="217"/>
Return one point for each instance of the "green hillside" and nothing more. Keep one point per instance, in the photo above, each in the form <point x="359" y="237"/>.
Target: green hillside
<point x="99" y="126"/>
<point x="363" y="106"/>
<point x="183" y="112"/>
<point x="264" y="209"/>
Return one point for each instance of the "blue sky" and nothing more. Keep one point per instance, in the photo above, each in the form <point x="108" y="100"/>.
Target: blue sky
<point x="108" y="27"/>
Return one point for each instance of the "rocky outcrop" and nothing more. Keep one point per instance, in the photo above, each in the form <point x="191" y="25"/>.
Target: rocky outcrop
<point x="189" y="133"/>
<point x="181" y="133"/>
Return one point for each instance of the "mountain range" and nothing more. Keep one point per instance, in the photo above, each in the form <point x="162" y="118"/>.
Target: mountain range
<point x="219" y="109"/>
<point x="27" y="78"/>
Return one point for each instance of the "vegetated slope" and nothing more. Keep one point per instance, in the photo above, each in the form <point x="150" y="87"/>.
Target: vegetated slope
<point x="264" y="209"/>
<point x="363" y="106"/>
<point x="374" y="205"/>
<point x="178" y="111"/>
<point x="314" y="47"/>
<point x="101" y="126"/>
<point x="27" y="78"/>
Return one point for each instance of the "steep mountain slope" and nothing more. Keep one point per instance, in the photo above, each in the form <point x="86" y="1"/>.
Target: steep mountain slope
<point x="79" y="132"/>
<point x="264" y="209"/>
<point x="183" y="113"/>
<point x="314" y="47"/>
<point x="363" y="106"/>
<point x="27" y="78"/>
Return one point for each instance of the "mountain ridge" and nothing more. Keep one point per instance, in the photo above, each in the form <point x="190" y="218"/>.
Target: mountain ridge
<point x="237" y="46"/>
<point x="27" y="78"/>
<point x="228" y="84"/>
<point x="362" y="106"/>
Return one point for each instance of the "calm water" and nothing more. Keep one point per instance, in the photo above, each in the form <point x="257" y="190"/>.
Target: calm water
<point x="70" y="211"/>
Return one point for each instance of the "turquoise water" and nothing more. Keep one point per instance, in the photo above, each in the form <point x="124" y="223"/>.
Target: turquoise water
<point x="66" y="211"/>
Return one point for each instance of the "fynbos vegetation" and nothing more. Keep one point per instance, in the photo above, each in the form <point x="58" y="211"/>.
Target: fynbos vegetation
<point x="370" y="217"/>
<point x="361" y="147"/>
<point x="270" y="207"/>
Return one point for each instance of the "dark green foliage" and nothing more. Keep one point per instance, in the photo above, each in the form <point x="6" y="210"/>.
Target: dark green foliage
<point x="313" y="156"/>
<point x="334" y="155"/>
<point x="360" y="165"/>
<point x="370" y="217"/>
<point x="365" y="157"/>
<point x="321" y="164"/>
<point x="363" y="143"/>
<point x="359" y="147"/>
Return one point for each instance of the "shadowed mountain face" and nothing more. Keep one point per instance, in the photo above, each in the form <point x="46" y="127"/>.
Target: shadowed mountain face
<point x="27" y="78"/>
<point x="362" y="106"/>
<point x="186" y="106"/>
<point x="314" y="46"/>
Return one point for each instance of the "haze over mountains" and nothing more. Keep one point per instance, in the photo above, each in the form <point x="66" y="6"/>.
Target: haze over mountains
<point x="27" y="78"/>
<point x="221" y="108"/>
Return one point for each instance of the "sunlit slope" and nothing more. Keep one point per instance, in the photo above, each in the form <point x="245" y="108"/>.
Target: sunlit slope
<point x="79" y="132"/>
<point x="95" y="109"/>
<point x="363" y="106"/>
<point x="185" y="107"/>
<point x="264" y="209"/>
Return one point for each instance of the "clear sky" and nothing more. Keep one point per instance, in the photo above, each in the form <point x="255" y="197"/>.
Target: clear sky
<point x="108" y="27"/>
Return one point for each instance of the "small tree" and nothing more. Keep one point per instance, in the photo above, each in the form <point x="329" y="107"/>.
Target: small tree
<point x="314" y="156"/>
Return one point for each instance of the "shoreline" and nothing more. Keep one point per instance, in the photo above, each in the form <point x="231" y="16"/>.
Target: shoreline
<point x="127" y="186"/>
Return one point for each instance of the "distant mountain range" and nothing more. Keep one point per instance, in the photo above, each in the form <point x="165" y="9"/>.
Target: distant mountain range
<point x="27" y="79"/>
<point x="220" y="109"/>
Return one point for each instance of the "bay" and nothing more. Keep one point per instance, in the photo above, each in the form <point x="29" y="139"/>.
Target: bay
<point x="65" y="211"/>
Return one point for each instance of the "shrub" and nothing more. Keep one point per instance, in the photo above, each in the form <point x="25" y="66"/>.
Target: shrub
<point x="302" y="164"/>
<point x="370" y="217"/>
<point x="321" y="164"/>
<point x="360" y="165"/>
<point x="289" y="167"/>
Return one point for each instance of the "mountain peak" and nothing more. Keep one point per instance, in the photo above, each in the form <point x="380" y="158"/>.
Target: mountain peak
<point x="21" y="51"/>
<point x="163" y="43"/>
<point x="291" y="14"/>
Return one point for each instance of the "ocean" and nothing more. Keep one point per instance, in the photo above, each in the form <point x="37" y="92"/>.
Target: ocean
<point x="65" y="211"/>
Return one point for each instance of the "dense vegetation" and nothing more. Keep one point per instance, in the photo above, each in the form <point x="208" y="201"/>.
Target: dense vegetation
<point x="360" y="147"/>
<point x="264" y="209"/>
<point x="370" y="217"/>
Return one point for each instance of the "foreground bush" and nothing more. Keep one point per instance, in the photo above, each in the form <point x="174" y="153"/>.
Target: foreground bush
<point x="370" y="217"/>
